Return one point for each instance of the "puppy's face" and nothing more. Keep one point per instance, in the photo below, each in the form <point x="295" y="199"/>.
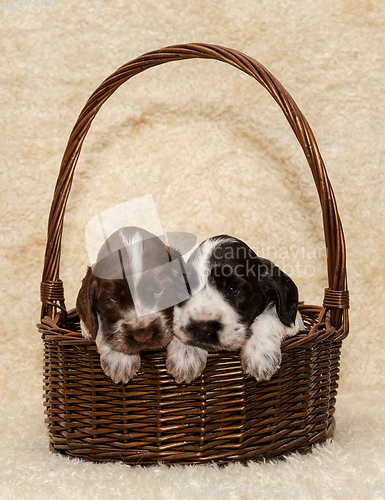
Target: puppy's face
<point x="230" y="286"/>
<point x="128" y="297"/>
<point x="123" y="329"/>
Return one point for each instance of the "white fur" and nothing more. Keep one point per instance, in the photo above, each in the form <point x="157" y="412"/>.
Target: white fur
<point x="200" y="261"/>
<point x="261" y="354"/>
<point x="135" y="250"/>
<point x="118" y="366"/>
<point x="133" y="247"/>
<point x="208" y="304"/>
<point x="185" y="363"/>
<point x="85" y="333"/>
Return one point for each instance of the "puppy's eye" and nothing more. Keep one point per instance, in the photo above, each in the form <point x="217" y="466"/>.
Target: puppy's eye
<point x="233" y="290"/>
<point x="114" y="298"/>
<point x="158" y="291"/>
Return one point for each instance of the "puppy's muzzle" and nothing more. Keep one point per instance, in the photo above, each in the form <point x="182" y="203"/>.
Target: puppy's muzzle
<point x="204" y="330"/>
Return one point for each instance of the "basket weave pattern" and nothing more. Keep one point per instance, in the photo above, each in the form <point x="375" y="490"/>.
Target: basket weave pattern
<point x="223" y="415"/>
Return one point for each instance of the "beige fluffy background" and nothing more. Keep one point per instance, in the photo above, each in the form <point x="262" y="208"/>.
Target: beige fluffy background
<point x="217" y="155"/>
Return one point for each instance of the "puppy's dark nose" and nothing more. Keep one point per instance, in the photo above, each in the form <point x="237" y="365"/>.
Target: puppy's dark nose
<point x="142" y="335"/>
<point x="205" y="328"/>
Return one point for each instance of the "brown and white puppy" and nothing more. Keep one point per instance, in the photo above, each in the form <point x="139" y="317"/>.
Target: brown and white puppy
<point x="127" y="298"/>
<point x="238" y="300"/>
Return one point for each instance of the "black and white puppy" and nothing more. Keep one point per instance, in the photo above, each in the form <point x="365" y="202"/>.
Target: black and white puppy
<point x="126" y="299"/>
<point x="238" y="300"/>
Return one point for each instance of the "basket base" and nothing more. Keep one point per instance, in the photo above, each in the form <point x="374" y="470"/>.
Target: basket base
<point x="222" y="417"/>
<point x="304" y="450"/>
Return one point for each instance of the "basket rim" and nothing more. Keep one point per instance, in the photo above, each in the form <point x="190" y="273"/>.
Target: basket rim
<point x="52" y="329"/>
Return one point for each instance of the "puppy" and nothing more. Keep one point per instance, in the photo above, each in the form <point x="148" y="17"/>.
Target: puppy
<point x="238" y="300"/>
<point x="126" y="299"/>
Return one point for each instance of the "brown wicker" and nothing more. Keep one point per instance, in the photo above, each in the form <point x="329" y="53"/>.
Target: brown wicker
<point x="223" y="415"/>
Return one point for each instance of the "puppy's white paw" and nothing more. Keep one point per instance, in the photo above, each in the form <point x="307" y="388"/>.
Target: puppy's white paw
<point x="261" y="365"/>
<point x="261" y="354"/>
<point x="185" y="363"/>
<point x="118" y="366"/>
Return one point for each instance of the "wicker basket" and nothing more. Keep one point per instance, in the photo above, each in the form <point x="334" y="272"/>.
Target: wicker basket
<point x="223" y="415"/>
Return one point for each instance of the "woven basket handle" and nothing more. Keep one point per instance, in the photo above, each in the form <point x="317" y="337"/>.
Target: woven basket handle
<point x="336" y="296"/>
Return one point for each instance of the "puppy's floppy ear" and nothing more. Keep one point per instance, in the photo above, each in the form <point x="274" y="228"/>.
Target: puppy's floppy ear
<point x="276" y="286"/>
<point x="85" y="304"/>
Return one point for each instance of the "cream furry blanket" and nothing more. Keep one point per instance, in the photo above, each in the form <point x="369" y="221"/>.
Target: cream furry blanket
<point x="217" y="155"/>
